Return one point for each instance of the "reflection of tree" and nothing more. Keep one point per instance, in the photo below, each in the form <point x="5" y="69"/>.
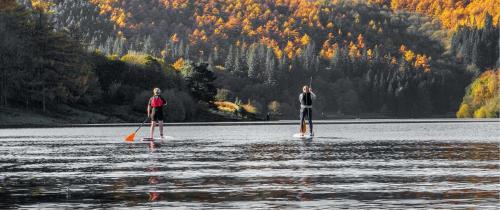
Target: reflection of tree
<point x="284" y="152"/>
<point x="464" y="151"/>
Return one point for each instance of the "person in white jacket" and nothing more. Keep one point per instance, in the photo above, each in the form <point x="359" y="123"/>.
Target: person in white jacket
<point x="306" y="100"/>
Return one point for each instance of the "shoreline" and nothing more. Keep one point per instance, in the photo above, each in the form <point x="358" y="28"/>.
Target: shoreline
<point x="247" y="123"/>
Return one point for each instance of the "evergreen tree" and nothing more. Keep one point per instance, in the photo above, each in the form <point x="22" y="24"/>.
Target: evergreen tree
<point x="270" y="68"/>
<point x="118" y="47"/>
<point x="238" y="65"/>
<point x="261" y="64"/>
<point x="147" y="46"/>
<point x="201" y="83"/>
<point x="252" y="62"/>
<point x="210" y="61"/>
<point x="229" y="63"/>
<point x="216" y="55"/>
<point x="14" y="50"/>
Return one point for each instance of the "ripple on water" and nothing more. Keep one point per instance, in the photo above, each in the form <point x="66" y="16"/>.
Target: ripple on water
<point x="78" y="171"/>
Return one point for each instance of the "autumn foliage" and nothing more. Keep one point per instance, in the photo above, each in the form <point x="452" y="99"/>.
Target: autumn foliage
<point x="450" y="12"/>
<point x="483" y="97"/>
<point x="283" y="25"/>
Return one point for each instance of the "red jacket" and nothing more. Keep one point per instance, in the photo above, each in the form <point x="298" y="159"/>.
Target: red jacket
<point x="157" y="101"/>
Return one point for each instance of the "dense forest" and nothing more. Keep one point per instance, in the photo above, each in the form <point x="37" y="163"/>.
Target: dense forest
<point x="247" y="58"/>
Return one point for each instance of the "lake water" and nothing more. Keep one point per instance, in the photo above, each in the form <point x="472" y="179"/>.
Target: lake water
<point x="358" y="166"/>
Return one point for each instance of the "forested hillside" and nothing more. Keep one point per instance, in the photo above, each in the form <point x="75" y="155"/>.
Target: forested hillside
<point x="363" y="57"/>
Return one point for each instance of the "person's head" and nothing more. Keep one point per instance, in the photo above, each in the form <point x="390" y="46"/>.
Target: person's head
<point x="156" y="91"/>
<point x="305" y="89"/>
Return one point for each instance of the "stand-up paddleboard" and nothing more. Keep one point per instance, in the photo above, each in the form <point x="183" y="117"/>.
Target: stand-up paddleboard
<point x="305" y="136"/>
<point x="155" y="140"/>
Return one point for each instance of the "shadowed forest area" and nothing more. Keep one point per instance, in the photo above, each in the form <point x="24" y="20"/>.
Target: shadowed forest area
<point x="242" y="60"/>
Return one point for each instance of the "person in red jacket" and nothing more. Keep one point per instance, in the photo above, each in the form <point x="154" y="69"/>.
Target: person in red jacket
<point x="155" y="111"/>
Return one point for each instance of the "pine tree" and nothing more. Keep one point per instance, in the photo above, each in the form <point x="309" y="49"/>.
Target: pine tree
<point x="147" y="46"/>
<point x="14" y="46"/>
<point x="283" y="67"/>
<point x="210" y="62"/>
<point x="270" y="68"/>
<point x="58" y="64"/>
<point x="118" y="47"/>
<point x="186" y="52"/>
<point x="252" y="62"/>
<point x="216" y="55"/>
<point x="238" y="65"/>
<point x="180" y="49"/>
<point x="261" y="65"/>
<point x="229" y="63"/>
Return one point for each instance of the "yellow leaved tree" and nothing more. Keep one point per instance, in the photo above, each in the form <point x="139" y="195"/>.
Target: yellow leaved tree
<point x="482" y="99"/>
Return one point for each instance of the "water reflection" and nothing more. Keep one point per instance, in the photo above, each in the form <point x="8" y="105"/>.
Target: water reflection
<point x="153" y="181"/>
<point x="323" y="173"/>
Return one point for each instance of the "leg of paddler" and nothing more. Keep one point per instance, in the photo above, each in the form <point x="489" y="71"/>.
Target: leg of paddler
<point x="309" y="116"/>
<point x="160" y="125"/>
<point x="151" y="131"/>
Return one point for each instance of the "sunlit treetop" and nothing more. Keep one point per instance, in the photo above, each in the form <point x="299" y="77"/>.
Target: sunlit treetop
<point x="451" y="13"/>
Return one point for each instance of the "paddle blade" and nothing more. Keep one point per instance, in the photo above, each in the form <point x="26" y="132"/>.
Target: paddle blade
<point x="130" y="137"/>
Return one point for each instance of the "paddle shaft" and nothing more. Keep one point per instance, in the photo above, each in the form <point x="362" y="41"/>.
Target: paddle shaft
<point x="142" y="124"/>
<point x="309" y="110"/>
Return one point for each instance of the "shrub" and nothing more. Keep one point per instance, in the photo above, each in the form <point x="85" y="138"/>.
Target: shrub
<point x="480" y="113"/>
<point x="274" y="107"/>
<point x="179" y="64"/>
<point x="227" y="106"/>
<point x="464" y="111"/>
<point x="222" y="94"/>
<point x="249" y="108"/>
<point x="135" y="58"/>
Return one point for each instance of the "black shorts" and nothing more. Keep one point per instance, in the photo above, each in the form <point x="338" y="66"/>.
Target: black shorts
<point x="157" y="114"/>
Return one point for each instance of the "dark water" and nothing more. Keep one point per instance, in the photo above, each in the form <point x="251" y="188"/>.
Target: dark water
<point x="360" y="166"/>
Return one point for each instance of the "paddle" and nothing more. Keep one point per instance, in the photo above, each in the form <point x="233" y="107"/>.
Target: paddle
<point x="309" y="110"/>
<point x="132" y="135"/>
<point x="303" y="127"/>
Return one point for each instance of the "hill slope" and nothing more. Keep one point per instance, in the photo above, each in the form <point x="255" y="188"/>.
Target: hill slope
<point x="362" y="57"/>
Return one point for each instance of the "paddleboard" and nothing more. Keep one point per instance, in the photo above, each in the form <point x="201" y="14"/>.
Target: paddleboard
<point x="156" y="140"/>
<point x="305" y="136"/>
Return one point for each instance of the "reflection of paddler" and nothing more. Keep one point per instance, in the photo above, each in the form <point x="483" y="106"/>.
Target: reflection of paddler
<point x="153" y="196"/>
<point x="306" y="100"/>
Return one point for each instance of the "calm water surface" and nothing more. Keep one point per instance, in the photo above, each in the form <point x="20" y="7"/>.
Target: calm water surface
<point x="358" y="166"/>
